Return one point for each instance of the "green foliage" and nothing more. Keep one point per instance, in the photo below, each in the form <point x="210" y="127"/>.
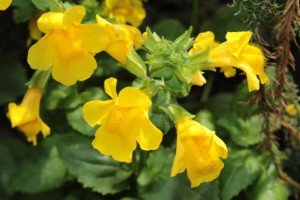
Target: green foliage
<point x="269" y="187"/>
<point x="24" y="10"/>
<point x="242" y="167"/>
<point x="163" y="28"/>
<point x="41" y="169"/>
<point x="155" y="181"/>
<point x="93" y="170"/>
<point x="12" y="79"/>
<point x="243" y="132"/>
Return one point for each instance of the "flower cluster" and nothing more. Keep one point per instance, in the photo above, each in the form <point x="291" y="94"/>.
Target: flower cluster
<point x="68" y="49"/>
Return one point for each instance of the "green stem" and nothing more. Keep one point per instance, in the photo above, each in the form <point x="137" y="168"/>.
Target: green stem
<point x="39" y="79"/>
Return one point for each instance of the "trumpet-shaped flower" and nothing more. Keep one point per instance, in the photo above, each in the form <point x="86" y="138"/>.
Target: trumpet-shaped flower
<point x="235" y="52"/>
<point x="198" y="150"/>
<point x="4" y="4"/>
<point x="121" y="38"/>
<point x="124" y="121"/>
<point x="123" y="11"/>
<point x="26" y="116"/>
<point x="68" y="46"/>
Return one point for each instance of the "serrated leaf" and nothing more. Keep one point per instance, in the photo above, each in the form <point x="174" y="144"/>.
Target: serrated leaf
<point x="92" y="169"/>
<point x="268" y="187"/>
<point x="242" y="167"/>
<point x="24" y="10"/>
<point x="243" y="132"/>
<point x="76" y="120"/>
<point x="40" y="169"/>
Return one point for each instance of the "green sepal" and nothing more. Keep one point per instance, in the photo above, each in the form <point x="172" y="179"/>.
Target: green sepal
<point x="185" y="41"/>
<point x="39" y="79"/>
<point x="135" y="64"/>
<point x="165" y="72"/>
<point x="176" y="112"/>
<point x="151" y="42"/>
<point x="177" y="86"/>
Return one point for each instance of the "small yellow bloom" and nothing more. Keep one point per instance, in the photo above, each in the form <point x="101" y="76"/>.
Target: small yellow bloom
<point x="123" y="11"/>
<point x="198" y="150"/>
<point x="34" y="32"/>
<point x="26" y="116"/>
<point x="235" y="52"/>
<point x="68" y="46"/>
<point x="291" y="109"/>
<point x="4" y="4"/>
<point x="121" y="38"/>
<point x="124" y="121"/>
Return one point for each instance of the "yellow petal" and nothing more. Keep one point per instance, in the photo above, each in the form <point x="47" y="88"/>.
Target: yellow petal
<point x="94" y="38"/>
<point x="112" y="143"/>
<point x="198" y="79"/>
<point x="73" y="15"/>
<point x="110" y="87"/>
<point x="130" y="97"/>
<point x="252" y="80"/>
<point x="50" y="21"/>
<point x="41" y="55"/>
<point x="19" y="115"/>
<point x="218" y="148"/>
<point x="237" y="41"/>
<point x="95" y="112"/>
<point x="178" y="163"/>
<point x="228" y="71"/>
<point x="78" y="69"/>
<point x="4" y="4"/>
<point x="254" y="57"/>
<point x="205" y="173"/>
<point x="119" y="50"/>
<point x="149" y="137"/>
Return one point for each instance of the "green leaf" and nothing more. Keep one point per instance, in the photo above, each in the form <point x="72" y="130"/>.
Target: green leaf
<point x="219" y="104"/>
<point x="12" y="79"/>
<point x="92" y="169"/>
<point x="243" y="132"/>
<point x="24" y="10"/>
<point x="135" y="64"/>
<point x="11" y="151"/>
<point x="76" y="120"/>
<point x="268" y="187"/>
<point x="164" y="26"/>
<point x="205" y="117"/>
<point x="241" y="168"/>
<point x="40" y="169"/>
<point x="43" y="4"/>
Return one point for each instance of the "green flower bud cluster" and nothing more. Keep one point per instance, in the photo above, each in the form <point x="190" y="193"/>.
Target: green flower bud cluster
<point x="170" y="61"/>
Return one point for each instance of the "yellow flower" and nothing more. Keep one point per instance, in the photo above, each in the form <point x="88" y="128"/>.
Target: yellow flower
<point x="124" y="121"/>
<point x="4" y="4"/>
<point x="198" y="150"/>
<point x="235" y="52"/>
<point x="123" y="11"/>
<point x="68" y="46"/>
<point x="26" y="116"/>
<point x="121" y="38"/>
<point x="291" y="109"/>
